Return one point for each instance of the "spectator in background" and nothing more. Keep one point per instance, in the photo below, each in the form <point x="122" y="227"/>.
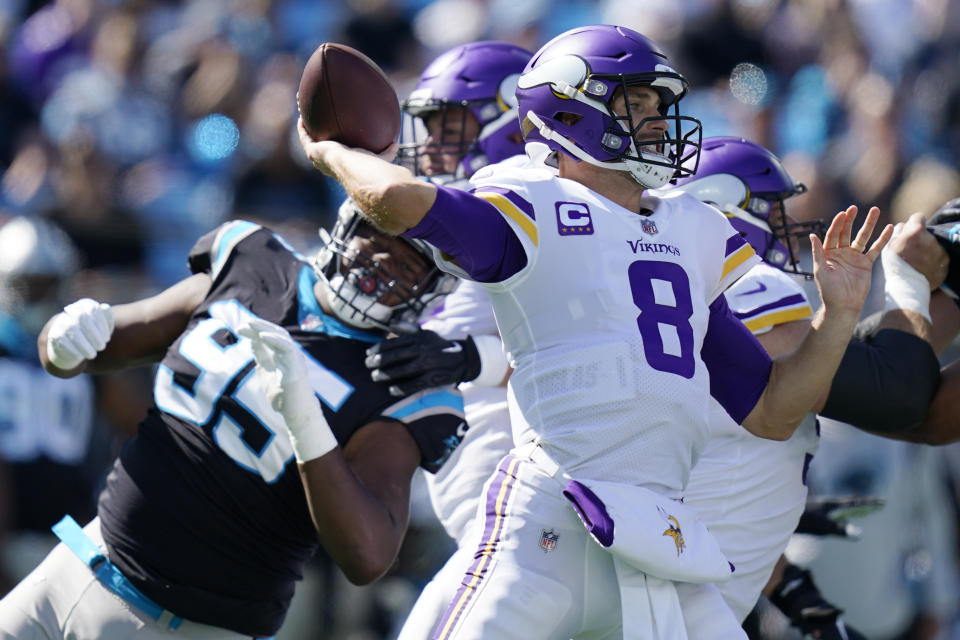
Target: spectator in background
<point x="137" y="82"/>
<point x="53" y="452"/>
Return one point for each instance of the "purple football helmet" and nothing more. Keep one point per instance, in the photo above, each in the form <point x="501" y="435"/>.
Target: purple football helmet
<point x="480" y="77"/>
<point x="578" y="73"/>
<point x="748" y="183"/>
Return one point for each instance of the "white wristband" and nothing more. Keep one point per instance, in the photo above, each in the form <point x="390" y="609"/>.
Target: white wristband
<point x="493" y="361"/>
<point x="904" y="287"/>
<point x="313" y="441"/>
<point x="310" y="433"/>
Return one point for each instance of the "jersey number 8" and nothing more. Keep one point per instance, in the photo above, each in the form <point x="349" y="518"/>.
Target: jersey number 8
<point x="661" y="290"/>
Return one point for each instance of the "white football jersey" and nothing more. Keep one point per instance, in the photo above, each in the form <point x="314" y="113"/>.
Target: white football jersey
<point x="749" y="491"/>
<point x="455" y="489"/>
<point x="606" y="347"/>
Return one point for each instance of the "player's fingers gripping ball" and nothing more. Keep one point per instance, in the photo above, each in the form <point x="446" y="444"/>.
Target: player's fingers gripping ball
<point x="344" y="96"/>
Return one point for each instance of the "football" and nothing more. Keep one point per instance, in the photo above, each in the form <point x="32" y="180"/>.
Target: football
<point x="344" y="96"/>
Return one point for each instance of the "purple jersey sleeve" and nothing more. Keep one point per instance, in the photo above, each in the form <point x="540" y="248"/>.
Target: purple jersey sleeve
<point x="473" y="232"/>
<point x="738" y="364"/>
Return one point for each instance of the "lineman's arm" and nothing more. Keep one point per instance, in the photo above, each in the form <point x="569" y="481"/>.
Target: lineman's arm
<point x="891" y="369"/>
<point x="106" y="338"/>
<point x="942" y="424"/>
<point x="894" y="362"/>
<point x="915" y="264"/>
<point x="799" y="379"/>
<point x="359" y="498"/>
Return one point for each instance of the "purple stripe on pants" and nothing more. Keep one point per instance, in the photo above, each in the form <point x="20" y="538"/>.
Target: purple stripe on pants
<point x="498" y="497"/>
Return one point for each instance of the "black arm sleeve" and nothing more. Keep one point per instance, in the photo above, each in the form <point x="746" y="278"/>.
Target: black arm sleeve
<point x="885" y="382"/>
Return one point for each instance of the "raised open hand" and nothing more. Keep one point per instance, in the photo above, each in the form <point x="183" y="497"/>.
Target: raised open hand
<point x="842" y="267"/>
<point x="283" y="374"/>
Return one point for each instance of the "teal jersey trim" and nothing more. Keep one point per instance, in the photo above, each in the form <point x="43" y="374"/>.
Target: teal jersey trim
<point x="312" y="318"/>
<point x="227" y="241"/>
<point x="429" y="401"/>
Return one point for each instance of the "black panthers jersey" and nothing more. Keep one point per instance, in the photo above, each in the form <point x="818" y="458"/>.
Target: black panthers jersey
<point x="204" y="510"/>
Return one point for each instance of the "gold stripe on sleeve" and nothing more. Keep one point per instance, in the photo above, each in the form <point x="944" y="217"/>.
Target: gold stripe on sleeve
<point x="511" y="210"/>
<point x="736" y="259"/>
<point x="778" y="317"/>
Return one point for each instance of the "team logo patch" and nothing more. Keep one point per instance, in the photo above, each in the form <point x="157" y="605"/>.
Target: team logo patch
<point x="649" y="226"/>
<point x="573" y="219"/>
<point x="311" y="322"/>
<point x="673" y="531"/>
<point x="548" y="540"/>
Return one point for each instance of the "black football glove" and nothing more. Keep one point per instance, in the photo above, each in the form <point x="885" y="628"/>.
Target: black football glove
<point x="422" y="360"/>
<point x="829" y="516"/>
<point x="948" y="212"/>
<point x="944" y="224"/>
<point x="800" y="600"/>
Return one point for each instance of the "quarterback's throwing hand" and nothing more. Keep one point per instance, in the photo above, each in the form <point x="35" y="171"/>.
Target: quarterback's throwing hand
<point x="79" y="333"/>
<point x="317" y="150"/>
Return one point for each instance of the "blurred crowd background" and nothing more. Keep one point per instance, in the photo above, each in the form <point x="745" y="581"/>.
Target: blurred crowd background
<point x="138" y="125"/>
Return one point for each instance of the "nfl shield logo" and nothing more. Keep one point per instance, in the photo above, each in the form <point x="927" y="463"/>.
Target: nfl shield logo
<point x="649" y="226"/>
<point x="548" y="540"/>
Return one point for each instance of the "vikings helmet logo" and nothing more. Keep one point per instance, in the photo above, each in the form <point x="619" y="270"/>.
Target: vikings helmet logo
<point x="673" y="531"/>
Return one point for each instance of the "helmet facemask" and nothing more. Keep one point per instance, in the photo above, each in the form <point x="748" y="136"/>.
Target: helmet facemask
<point x="472" y="134"/>
<point x="470" y="89"/>
<point x="588" y="99"/>
<point x="781" y="250"/>
<point x="439" y="158"/>
<point x="760" y="218"/>
<point x="652" y="163"/>
<point x="375" y="281"/>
